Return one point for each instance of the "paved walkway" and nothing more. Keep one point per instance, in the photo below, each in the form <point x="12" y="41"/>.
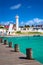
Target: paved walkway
<point x="9" y="57"/>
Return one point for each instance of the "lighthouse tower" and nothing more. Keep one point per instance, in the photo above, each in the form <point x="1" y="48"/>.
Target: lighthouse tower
<point x="17" y="23"/>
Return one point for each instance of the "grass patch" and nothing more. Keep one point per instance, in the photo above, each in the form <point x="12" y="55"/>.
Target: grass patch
<point x="34" y="32"/>
<point x="19" y="32"/>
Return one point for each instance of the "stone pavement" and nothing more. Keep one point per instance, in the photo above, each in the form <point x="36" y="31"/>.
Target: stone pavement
<point x="9" y="57"/>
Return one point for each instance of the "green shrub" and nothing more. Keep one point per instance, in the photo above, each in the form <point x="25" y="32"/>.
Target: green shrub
<point x="18" y="32"/>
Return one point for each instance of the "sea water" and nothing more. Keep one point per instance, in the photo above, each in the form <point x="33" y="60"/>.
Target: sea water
<point x="34" y="42"/>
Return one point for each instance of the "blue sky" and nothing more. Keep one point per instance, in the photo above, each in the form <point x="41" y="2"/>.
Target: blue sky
<point x="29" y="11"/>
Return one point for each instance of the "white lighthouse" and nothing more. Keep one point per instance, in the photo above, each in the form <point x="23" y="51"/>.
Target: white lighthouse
<point x="17" y="23"/>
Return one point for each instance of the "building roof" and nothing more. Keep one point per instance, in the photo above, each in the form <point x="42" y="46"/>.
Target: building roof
<point x="6" y="26"/>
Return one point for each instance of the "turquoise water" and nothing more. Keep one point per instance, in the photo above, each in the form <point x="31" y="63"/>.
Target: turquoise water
<point x="36" y="43"/>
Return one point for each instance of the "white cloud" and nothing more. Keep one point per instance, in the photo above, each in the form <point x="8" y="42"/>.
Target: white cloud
<point x="22" y="23"/>
<point x="35" y="21"/>
<point x="29" y="22"/>
<point x="15" y="6"/>
<point x="6" y="23"/>
<point x="38" y="21"/>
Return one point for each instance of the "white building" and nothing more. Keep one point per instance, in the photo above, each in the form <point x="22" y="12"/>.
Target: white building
<point x="17" y="23"/>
